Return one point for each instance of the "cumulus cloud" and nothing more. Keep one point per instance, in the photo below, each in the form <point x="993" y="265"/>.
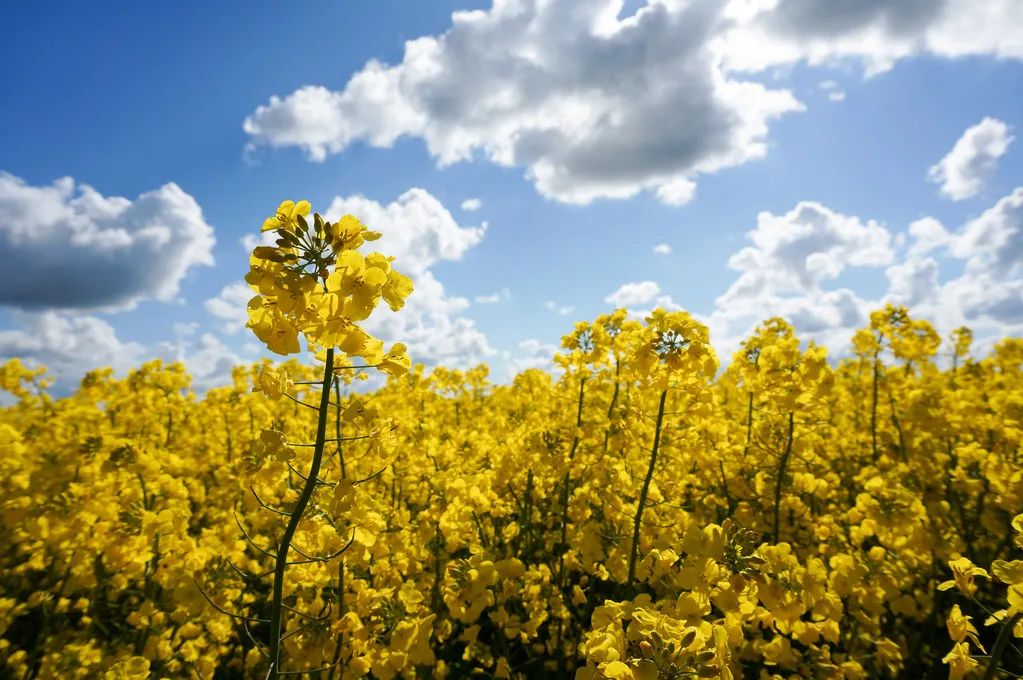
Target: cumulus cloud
<point x="208" y="359"/>
<point x="877" y="33"/>
<point x="431" y="326"/>
<point x="471" y="204"/>
<point x="563" y="89"/>
<point x="493" y="298"/>
<point x="417" y="229"/>
<point x="68" y="345"/>
<point x="560" y="310"/>
<point x="531" y="353"/>
<point x="662" y="249"/>
<point x="973" y="160"/>
<point x="229" y="305"/>
<point x="419" y="232"/>
<point x="785" y="270"/>
<point x="632" y="294"/>
<point x="593" y="104"/>
<point x="798" y="250"/>
<point x="985" y="292"/>
<point x="78" y="249"/>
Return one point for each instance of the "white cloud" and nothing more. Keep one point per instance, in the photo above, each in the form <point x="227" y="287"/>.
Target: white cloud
<point x="783" y="274"/>
<point x="987" y="295"/>
<point x="493" y="298"/>
<point x="560" y="310"/>
<point x="592" y="105"/>
<point x="230" y="305"/>
<point x="208" y="360"/>
<point x="69" y="345"/>
<point x="928" y="234"/>
<point x="632" y="294"/>
<point x="878" y="33"/>
<point x="796" y="251"/>
<point x="532" y="353"/>
<point x="913" y="282"/>
<point x="471" y="204"/>
<point x="662" y="249"/>
<point x="72" y="248"/>
<point x="419" y="232"/>
<point x="678" y="191"/>
<point x="417" y="229"/>
<point x="562" y="89"/>
<point x="973" y="160"/>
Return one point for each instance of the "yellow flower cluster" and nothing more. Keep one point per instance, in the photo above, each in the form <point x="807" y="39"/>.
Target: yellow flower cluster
<point x="315" y="281"/>
<point x="645" y="514"/>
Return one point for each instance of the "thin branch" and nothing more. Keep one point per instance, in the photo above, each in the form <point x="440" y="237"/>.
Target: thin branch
<point x="249" y="539"/>
<point x="224" y="611"/>
<point x="306" y="479"/>
<point x="265" y="505"/>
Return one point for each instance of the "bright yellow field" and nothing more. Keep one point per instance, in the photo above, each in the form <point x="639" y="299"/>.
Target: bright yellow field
<point x="651" y="512"/>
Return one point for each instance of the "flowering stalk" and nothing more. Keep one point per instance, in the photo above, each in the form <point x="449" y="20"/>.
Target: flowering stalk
<point x="646" y="488"/>
<point x="782" y="465"/>
<point x="281" y="563"/>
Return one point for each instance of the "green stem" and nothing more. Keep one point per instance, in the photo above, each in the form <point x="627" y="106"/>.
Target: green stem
<point x="614" y="402"/>
<point x="565" y="492"/>
<point x="873" y="410"/>
<point x="646" y="488"/>
<point x="276" y="607"/>
<point x="781" y="475"/>
<point x="1000" y="644"/>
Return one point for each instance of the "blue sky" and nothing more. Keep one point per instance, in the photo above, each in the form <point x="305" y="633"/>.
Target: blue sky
<point x="584" y="153"/>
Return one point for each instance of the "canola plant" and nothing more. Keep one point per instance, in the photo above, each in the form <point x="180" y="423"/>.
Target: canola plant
<point x="645" y="514"/>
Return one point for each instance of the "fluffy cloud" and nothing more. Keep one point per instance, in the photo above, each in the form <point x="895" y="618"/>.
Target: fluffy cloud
<point x="67" y="344"/>
<point x="776" y="275"/>
<point x="594" y="105"/>
<point x="417" y="229"/>
<point x="767" y="33"/>
<point x="493" y="298"/>
<point x="563" y="89"/>
<point x="662" y="249"/>
<point x="632" y="294"/>
<point x="560" y="310"/>
<point x="796" y="251"/>
<point x="230" y="304"/>
<point x="993" y="242"/>
<point x="784" y="272"/>
<point x="640" y="298"/>
<point x="431" y="327"/>
<point x="71" y="344"/>
<point x="471" y="204"/>
<point x="83" y="250"/>
<point x="209" y="361"/>
<point x="964" y="170"/>
<point x="532" y="353"/>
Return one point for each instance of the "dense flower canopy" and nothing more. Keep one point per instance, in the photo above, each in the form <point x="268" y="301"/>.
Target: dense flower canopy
<point x="800" y="518"/>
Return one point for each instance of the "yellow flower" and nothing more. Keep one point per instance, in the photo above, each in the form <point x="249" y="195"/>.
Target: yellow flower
<point x="959" y="661"/>
<point x="272" y="382"/>
<point x="960" y="628"/>
<point x="963" y="573"/>
<point x="286" y="216"/>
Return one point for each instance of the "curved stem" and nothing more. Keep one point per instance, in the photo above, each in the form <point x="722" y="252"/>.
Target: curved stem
<point x="1000" y="644"/>
<point x="646" y="488"/>
<point x="276" y="607"/>
<point x="781" y="476"/>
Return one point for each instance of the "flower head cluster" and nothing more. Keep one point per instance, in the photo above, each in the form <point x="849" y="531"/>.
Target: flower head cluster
<point x="314" y="281"/>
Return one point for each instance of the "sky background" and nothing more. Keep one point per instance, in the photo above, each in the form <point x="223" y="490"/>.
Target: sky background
<point x="530" y="163"/>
